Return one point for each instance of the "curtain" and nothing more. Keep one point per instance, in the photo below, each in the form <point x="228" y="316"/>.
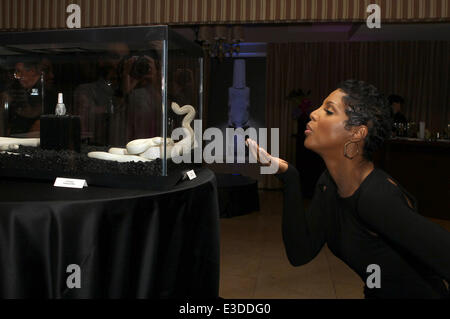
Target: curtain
<point x="418" y="71"/>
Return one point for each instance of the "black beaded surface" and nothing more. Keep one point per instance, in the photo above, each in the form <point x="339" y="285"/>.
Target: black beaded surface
<point x="35" y="158"/>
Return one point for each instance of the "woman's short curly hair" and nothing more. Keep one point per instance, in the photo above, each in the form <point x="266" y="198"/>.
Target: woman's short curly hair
<point x="365" y="105"/>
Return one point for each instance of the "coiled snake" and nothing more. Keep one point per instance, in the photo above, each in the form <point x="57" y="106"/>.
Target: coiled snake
<point x="149" y="149"/>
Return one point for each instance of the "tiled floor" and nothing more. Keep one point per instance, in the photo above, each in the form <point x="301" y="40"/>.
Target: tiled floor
<point x="254" y="263"/>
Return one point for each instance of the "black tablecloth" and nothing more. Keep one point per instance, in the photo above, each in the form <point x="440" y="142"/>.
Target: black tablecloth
<point x="128" y="243"/>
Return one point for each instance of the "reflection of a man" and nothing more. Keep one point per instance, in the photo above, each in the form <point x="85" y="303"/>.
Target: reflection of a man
<point x="4" y="84"/>
<point x="28" y="96"/>
<point x="120" y="105"/>
<point x="182" y="92"/>
<point x="144" y="109"/>
<point x="183" y="86"/>
<point x="98" y="104"/>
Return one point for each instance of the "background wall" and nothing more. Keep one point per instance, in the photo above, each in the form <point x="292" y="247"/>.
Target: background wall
<point x="51" y="14"/>
<point x="419" y="71"/>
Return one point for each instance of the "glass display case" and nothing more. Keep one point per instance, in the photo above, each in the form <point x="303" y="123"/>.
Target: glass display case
<point x="99" y="104"/>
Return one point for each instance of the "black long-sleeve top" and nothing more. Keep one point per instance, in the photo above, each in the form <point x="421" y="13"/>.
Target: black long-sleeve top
<point x="378" y="224"/>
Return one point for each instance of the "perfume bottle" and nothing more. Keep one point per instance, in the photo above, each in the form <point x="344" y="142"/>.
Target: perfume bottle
<point x="60" y="107"/>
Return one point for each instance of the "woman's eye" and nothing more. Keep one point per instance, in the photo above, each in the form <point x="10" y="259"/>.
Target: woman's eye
<point x="328" y="112"/>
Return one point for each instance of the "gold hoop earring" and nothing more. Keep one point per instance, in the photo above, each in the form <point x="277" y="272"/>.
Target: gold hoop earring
<point x="345" y="149"/>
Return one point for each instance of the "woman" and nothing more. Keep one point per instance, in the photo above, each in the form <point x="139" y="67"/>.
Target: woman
<point x="364" y="216"/>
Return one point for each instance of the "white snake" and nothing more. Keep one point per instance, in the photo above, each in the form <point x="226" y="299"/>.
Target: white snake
<point x="10" y="144"/>
<point x="149" y="149"/>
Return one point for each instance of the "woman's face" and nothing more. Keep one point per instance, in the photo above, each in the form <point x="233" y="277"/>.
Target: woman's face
<point x="326" y="133"/>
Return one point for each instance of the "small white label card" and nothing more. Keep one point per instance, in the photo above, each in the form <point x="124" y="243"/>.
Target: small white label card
<point x="70" y="182"/>
<point x="191" y="174"/>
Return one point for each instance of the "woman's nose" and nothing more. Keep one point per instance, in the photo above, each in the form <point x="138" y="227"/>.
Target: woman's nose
<point x="313" y="115"/>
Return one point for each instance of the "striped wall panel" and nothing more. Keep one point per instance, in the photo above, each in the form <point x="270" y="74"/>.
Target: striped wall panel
<point x="51" y="14"/>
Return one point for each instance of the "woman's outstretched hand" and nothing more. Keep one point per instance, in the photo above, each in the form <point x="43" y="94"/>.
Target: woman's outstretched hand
<point x="265" y="158"/>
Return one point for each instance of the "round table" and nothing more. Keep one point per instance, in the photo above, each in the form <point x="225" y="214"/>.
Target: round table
<point x="126" y="243"/>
